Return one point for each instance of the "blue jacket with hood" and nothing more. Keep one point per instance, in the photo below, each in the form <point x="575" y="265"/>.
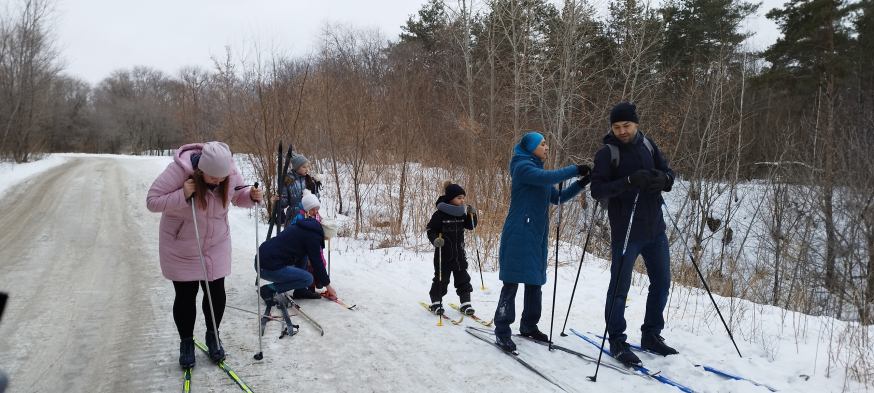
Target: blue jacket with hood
<point x="524" y="239"/>
<point x="608" y="182"/>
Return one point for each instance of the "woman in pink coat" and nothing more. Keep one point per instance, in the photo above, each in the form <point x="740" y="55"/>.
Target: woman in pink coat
<point x="207" y="171"/>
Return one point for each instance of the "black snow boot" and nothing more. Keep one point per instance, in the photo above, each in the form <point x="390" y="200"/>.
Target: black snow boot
<point x="216" y="351"/>
<point x="304" y="293"/>
<point x="186" y="352"/>
<point x="537" y="335"/>
<point x="467" y="309"/>
<point x="653" y="342"/>
<point x="506" y="343"/>
<point x="622" y="352"/>
<point x="266" y="293"/>
<point x="436" y="308"/>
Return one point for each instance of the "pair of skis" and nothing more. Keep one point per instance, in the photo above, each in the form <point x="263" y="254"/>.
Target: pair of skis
<point x="704" y="367"/>
<point x="186" y="382"/>
<point x="454" y="322"/>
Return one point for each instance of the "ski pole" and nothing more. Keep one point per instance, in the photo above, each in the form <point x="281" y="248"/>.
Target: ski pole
<point x="615" y="287"/>
<point x="555" y="283"/>
<point x="260" y="354"/>
<point x="477" y="253"/>
<point x="574" y="291"/>
<point x="329" y="257"/>
<point x="703" y="281"/>
<point x="205" y="277"/>
<point x="440" y="287"/>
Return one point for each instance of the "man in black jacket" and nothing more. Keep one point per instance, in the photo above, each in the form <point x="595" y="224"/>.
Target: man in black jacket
<point x="632" y="174"/>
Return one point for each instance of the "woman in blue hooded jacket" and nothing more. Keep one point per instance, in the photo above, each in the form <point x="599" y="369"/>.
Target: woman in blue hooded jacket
<point x="522" y="255"/>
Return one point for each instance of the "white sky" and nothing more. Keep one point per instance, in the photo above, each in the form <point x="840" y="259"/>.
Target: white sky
<point x="101" y="36"/>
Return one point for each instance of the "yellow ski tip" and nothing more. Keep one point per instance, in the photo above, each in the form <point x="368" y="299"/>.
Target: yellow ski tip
<point x="458" y="321"/>
<point x="490" y="322"/>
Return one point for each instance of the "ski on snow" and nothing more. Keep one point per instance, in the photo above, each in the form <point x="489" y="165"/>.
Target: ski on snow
<point x="642" y="369"/>
<point x="291" y="302"/>
<point x="583" y="356"/>
<point x="224" y="366"/>
<point x="515" y="355"/>
<point x="186" y="381"/>
<point x="706" y="368"/>
<point x="454" y="322"/>
<point x="335" y="300"/>
<point x="474" y="317"/>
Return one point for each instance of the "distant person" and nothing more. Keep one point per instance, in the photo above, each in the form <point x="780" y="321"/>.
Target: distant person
<point x="283" y="258"/>
<point x="450" y="220"/>
<point x="297" y="181"/>
<point x="642" y="170"/>
<point x="208" y="172"/>
<point x="522" y="255"/>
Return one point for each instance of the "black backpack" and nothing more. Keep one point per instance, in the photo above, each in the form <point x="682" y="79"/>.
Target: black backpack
<point x="614" y="163"/>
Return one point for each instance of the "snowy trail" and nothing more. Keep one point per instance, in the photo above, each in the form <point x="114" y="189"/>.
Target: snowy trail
<point x="90" y="311"/>
<point x="79" y="316"/>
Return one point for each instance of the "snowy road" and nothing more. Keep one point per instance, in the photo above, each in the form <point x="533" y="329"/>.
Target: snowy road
<point x="90" y="311"/>
<point x="79" y="316"/>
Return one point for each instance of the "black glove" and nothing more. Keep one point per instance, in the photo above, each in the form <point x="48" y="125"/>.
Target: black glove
<point x="657" y="182"/>
<point x="438" y="242"/>
<point x="583" y="181"/>
<point x="470" y="210"/>
<point x="583" y="170"/>
<point x="638" y="180"/>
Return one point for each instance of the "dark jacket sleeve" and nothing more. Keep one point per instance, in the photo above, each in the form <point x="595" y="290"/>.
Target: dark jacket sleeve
<point x="283" y="196"/>
<point x="435" y="226"/>
<point x="602" y="186"/>
<point x="470" y="223"/>
<point x="662" y="165"/>
<point x="313" y="250"/>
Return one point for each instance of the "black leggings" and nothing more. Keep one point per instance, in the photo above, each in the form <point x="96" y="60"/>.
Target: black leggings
<point x="185" y="305"/>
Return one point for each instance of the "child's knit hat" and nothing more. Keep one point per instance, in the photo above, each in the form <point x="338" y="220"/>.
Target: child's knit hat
<point x="451" y="191"/>
<point x="297" y="160"/>
<point x="309" y="201"/>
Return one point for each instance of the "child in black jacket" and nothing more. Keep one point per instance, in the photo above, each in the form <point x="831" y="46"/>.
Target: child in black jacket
<point x="450" y="220"/>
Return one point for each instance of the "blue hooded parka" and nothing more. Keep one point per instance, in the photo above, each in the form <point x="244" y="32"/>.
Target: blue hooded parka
<point x="522" y="255"/>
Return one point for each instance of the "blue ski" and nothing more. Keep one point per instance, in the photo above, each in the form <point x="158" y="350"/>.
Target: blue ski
<point x="642" y="369"/>
<point x="706" y="368"/>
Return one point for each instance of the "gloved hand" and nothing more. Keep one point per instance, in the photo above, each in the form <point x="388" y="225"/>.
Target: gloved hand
<point x="639" y="179"/>
<point x="583" y="181"/>
<point x="583" y="170"/>
<point x="470" y="210"/>
<point x="657" y="182"/>
<point x="438" y="242"/>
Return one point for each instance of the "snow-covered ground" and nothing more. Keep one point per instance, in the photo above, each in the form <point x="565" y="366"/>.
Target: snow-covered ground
<point x="390" y="343"/>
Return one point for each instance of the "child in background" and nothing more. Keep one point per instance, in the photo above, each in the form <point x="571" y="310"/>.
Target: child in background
<point x="450" y="220"/>
<point x="309" y="208"/>
<point x="297" y="181"/>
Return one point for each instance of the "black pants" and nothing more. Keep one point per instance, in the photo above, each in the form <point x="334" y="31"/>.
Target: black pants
<point x="462" y="285"/>
<point x="185" y="305"/>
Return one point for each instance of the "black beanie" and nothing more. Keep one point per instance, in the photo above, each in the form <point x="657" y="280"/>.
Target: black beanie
<point x="452" y="191"/>
<point x="623" y="111"/>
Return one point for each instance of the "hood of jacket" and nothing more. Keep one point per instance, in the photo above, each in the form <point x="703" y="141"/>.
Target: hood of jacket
<point x="184" y="153"/>
<point x="521" y="155"/>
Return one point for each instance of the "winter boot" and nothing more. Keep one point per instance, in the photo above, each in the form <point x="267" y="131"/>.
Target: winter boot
<point x="304" y="293"/>
<point x="186" y="352"/>
<point x="653" y="342"/>
<point x="216" y="351"/>
<point x="467" y="309"/>
<point x="506" y="343"/>
<point x="436" y="308"/>
<point x="622" y="352"/>
<point x="266" y="293"/>
<point x="536" y="335"/>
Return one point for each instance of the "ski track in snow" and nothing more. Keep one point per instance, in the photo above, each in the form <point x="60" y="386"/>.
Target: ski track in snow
<point x="90" y="310"/>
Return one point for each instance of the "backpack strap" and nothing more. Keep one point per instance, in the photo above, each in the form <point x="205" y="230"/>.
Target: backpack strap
<point x="614" y="152"/>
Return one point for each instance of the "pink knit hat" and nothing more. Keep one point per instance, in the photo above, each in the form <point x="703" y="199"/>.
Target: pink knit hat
<point x="215" y="159"/>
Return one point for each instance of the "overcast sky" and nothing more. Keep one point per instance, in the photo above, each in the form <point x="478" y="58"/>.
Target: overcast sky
<point x="101" y="36"/>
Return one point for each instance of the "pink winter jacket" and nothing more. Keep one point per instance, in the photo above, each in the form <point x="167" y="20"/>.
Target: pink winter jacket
<point x="177" y="244"/>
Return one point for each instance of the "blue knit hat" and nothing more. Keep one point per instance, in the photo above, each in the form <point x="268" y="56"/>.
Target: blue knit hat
<point x="623" y="111"/>
<point x="530" y="141"/>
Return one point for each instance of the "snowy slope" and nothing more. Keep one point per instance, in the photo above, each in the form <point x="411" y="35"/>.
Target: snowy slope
<point x="392" y="344"/>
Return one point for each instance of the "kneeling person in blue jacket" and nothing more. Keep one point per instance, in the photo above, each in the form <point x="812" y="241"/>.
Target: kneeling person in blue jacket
<point x="284" y="258"/>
